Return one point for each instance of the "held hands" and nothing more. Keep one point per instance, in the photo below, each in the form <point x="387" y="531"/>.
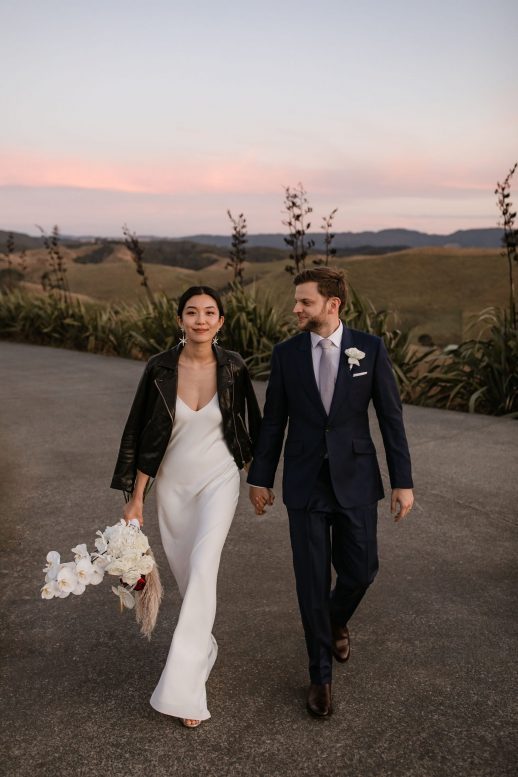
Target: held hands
<point x="134" y="509"/>
<point x="260" y="497"/>
<point x="402" y="498"/>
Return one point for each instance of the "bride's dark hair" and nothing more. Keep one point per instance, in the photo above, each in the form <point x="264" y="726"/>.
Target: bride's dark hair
<point x="193" y="291"/>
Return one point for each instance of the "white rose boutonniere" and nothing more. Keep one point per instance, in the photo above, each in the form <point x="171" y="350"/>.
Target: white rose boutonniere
<point x="354" y="355"/>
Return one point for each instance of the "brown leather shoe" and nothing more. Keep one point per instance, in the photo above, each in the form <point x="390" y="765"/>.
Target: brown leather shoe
<point x="319" y="700"/>
<point x="341" y="643"/>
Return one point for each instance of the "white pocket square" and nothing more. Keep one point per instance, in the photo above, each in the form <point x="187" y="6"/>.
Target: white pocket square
<point x="358" y="374"/>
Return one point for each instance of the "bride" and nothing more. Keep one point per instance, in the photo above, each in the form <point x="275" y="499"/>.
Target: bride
<point x="187" y="429"/>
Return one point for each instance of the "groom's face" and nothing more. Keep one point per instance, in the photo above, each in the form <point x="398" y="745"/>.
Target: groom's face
<point x="313" y="310"/>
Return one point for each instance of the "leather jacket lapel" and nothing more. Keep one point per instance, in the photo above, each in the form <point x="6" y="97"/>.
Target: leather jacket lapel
<point x="167" y="382"/>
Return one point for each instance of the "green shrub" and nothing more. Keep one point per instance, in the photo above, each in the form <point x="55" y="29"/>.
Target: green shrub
<point x="153" y="327"/>
<point x="253" y="325"/>
<point x="51" y="320"/>
<point x="479" y="375"/>
<point x="361" y="314"/>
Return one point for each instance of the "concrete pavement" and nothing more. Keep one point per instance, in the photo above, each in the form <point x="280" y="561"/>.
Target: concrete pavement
<point x="429" y="690"/>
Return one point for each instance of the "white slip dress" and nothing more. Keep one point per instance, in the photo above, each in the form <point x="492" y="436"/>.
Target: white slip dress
<point x="197" y="488"/>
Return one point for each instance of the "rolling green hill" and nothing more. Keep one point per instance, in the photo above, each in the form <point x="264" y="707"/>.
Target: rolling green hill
<point x="434" y="290"/>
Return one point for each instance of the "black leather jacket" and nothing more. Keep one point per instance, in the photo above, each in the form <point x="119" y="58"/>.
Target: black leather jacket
<point x="150" y="422"/>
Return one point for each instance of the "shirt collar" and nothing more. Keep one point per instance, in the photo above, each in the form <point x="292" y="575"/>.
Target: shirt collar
<point x="336" y="337"/>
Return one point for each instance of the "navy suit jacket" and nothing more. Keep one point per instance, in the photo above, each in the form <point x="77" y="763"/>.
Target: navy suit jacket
<point x="292" y="394"/>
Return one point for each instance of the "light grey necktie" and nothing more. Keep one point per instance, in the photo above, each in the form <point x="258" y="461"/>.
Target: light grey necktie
<point x="326" y="376"/>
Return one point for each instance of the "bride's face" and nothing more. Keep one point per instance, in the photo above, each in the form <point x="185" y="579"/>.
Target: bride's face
<point x="200" y="319"/>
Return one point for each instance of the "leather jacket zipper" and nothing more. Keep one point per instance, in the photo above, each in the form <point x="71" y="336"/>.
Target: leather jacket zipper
<point x="243" y="425"/>
<point x="164" y="399"/>
<point x="234" y="416"/>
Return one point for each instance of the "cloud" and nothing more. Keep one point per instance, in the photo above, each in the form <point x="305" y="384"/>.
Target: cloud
<point x="103" y="212"/>
<point x="248" y="173"/>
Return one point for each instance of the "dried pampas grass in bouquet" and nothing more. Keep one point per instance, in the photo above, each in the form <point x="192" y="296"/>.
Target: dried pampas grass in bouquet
<point x="148" y="599"/>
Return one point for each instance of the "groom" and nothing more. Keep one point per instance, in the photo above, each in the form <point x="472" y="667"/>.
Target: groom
<point x="322" y="381"/>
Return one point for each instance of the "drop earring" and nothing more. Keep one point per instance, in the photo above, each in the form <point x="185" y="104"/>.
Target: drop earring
<point x="183" y="338"/>
<point x="215" y="338"/>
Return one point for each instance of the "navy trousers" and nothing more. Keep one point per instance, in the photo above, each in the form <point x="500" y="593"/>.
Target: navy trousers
<point x="323" y="534"/>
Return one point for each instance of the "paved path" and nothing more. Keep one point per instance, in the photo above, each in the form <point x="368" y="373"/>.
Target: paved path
<point x="429" y="688"/>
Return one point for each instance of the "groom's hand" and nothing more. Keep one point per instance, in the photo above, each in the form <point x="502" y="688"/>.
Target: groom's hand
<point x="260" y="497"/>
<point x="401" y="501"/>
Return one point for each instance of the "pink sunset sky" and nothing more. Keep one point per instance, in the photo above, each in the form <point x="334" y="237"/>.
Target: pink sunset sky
<point x="164" y="115"/>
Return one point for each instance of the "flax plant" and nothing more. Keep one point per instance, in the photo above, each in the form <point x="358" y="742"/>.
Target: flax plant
<point x="237" y="253"/>
<point x="327" y="225"/>
<point x="510" y="236"/>
<point x="297" y="209"/>
<point x="137" y="254"/>
<point x="54" y="278"/>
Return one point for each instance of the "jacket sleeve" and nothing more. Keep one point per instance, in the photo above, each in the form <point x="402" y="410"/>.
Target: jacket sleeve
<point x="126" y="467"/>
<point x="253" y="412"/>
<point x="390" y="418"/>
<point x="268" y="449"/>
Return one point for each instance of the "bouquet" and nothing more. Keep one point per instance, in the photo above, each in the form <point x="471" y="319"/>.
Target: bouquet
<point x="123" y="551"/>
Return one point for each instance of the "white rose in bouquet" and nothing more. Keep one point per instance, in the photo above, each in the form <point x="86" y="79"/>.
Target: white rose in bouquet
<point x="146" y="564"/>
<point x="141" y="542"/>
<point x="131" y="577"/>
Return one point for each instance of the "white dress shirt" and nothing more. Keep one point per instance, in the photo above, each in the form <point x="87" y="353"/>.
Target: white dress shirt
<point x="316" y="352"/>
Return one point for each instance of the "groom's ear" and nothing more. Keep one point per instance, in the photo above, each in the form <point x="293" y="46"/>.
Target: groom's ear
<point x="334" y="304"/>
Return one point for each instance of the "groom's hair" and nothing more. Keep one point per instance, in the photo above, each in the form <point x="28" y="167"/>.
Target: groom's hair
<point x="330" y="282"/>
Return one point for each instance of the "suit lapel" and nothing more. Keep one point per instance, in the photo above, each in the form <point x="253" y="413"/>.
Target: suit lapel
<point x="343" y="377"/>
<point x="307" y="373"/>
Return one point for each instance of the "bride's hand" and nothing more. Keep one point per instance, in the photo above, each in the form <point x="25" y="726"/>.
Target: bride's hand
<point x="134" y="509"/>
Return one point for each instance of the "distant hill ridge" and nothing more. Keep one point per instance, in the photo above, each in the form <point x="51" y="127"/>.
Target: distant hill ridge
<point x="464" y="238"/>
<point x="385" y="238"/>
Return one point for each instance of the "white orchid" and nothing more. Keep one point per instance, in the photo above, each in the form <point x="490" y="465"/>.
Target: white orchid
<point x="101" y="543"/>
<point x="49" y="590"/>
<point x="66" y="580"/>
<point x="122" y="550"/>
<point x="98" y="567"/>
<point x="84" y="570"/>
<point x="126" y="599"/>
<point x="80" y="552"/>
<point x="52" y="568"/>
<point x="354" y="355"/>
